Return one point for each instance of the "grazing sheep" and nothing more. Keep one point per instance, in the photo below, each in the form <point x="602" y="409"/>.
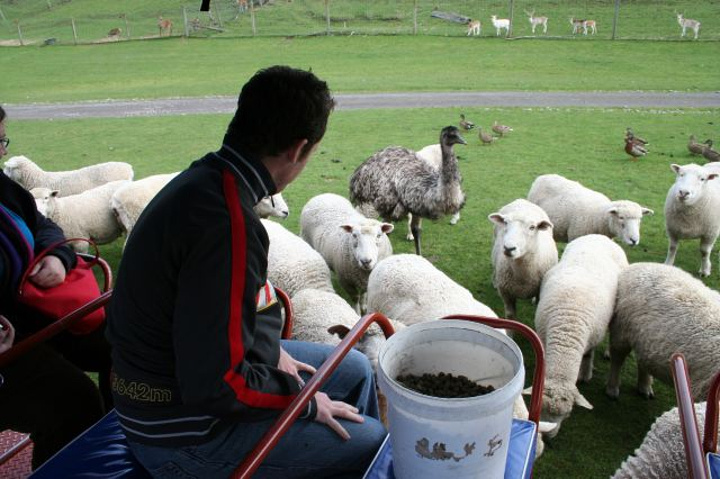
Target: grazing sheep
<point x="408" y="289"/>
<point x="85" y="215"/>
<point x="325" y="317"/>
<point x="350" y="243"/>
<point x="691" y="210"/>
<point x="292" y="263"/>
<point x="29" y="175"/>
<point x="523" y="251"/>
<point x="577" y="211"/>
<point x="131" y="199"/>
<point x="274" y="205"/>
<point x="395" y="183"/>
<point x="662" y="452"/>
<point x="576" y="303"/>
<point x="661" y="310"/>
<point x="432" y="155"/>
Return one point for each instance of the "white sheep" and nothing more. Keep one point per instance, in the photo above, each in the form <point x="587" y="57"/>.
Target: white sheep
<point x="691" y="210"/>
<point x="325" y="317"/>
<point x="661" y="310"/>
<point x="293" y="264"/>
<point x="408" y="289"/>
<point x="29" y="175"/>
<point x="85" y="215"/>
<point x="576" y="210"/>
<point x="662" y="452"/>
<point x="350" y="243"/>
<point x="576" y="303"/>
<point x="274" y="205"/>
<point x="131" y="199"/>
<point x="523" y="251"/>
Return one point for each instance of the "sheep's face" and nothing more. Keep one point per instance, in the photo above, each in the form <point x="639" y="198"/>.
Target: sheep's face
<point x="366" y="239"/>
<point x="45" y="200"/>
<point x="624" y="219"/>
<point x="272" y="206"/>
<point x="690" y="182"/>
<point x="558" y="403"/>
<point x="519" y="235"/>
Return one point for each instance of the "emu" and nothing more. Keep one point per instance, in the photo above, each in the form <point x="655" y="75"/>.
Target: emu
<point x="395" y="182"/>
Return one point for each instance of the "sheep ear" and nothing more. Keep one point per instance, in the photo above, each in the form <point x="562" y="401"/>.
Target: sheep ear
<point x="647" y="211"/>
<point x="582" y="402"/>
<point x="54" y="193"/>
<point x="712" y="176"/>
<point x="544" y="225"/>
<point x="339" y="329"/>
<point x="546" y="426"/>
<point x="613" y="210"/>
<point x="497" y="218"/>
<point x="387" y="228"/>
<point x="527" y="391"/>
<point x="675" y="167"/>
<point x="347" y="228"/>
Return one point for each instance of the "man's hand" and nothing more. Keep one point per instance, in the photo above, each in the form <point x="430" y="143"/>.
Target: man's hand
<point x="288" y="364"/>
<point x="328" y="410"/>
<point x="7" y="334"/>
<point x="48" y="272"/>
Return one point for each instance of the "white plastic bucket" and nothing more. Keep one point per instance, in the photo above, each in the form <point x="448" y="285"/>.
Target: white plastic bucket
<point x="454" y="438"/>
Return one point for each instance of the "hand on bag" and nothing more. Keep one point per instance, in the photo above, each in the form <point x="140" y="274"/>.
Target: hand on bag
<point x="7" y="334"/>
<point x="48" y="272"/>
<point x="293" y="367"/>
<point x="328" y="410"/>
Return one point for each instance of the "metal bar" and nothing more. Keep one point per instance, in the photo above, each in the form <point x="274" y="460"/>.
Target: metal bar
<point x="710" y="442"/>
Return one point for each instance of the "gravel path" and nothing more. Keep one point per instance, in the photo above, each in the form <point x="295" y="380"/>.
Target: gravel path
<point x="184" y="106"/>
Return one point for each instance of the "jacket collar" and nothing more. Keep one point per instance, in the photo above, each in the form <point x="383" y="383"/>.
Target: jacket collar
<point x="250" y="170"/>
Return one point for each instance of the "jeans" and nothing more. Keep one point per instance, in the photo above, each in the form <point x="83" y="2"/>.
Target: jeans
<point x="307" y="450"/>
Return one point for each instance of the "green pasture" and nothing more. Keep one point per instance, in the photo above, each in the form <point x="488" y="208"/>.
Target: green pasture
<point x="198" y="67"/>
<point x="582" y="144"/>
<point x="637" y="19"/>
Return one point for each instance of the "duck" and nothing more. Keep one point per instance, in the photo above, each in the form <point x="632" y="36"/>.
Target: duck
<point x="636" y="139"/>
<point x="694" y="147"/>
<point x="635" y="150"/>
<point x="708" y="152"/>
<point x="465" y="124"/>
<point x="486" y="138"/>
<point x="501" y="129"/>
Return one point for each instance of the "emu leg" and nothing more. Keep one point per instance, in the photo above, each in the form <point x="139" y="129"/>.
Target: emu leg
<point x="416" y="230"/>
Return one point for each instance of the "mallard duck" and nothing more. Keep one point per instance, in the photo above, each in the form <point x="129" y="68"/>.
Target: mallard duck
<point x="466" y="125"/>
<point x="636" y="139"/>
<point x="708" y="152"/>
<point x="694" y="147"/>
<point x="501" y="129"/>
<point x="486" y="138"/>
<point x="635" y="150"/>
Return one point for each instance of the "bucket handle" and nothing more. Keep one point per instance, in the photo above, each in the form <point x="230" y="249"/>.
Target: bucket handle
<point x="538" y="383"/>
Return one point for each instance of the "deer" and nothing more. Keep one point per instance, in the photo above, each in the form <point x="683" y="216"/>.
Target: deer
<point x="536" y="21"/>
<point x="686" y="23"/>
<point x="500" y="24"/>
<point x="473" y="27"/>
<point x="589" y="24"/>
<point x="242" y="5"/>
<point x="165" y="25"/>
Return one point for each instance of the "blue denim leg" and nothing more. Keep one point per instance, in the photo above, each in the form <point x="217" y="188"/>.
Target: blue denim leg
<point x="308" y="449"/>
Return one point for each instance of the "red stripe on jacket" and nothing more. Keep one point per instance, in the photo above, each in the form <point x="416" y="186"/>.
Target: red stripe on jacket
<point x="236" y="381"/>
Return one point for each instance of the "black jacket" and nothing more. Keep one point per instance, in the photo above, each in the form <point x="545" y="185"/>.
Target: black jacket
<point x="190" y="352"/>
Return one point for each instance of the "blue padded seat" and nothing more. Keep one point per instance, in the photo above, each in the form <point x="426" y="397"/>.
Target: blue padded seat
<point x="713" y="463"/>
<point x="99" y="452"/>
<point x="521" y="454"/>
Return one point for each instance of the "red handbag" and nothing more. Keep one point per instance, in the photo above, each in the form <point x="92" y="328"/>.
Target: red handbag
<point x="79" y="288"/>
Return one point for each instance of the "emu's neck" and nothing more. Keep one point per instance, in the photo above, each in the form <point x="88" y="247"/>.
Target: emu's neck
<point x="449" y="170"/>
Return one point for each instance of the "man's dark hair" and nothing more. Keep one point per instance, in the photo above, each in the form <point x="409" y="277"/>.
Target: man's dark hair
<point x="277" y="107"/>
<point x="2" y="114"/>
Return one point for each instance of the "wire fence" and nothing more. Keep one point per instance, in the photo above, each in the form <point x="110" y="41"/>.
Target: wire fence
<point x="32" y="22"/>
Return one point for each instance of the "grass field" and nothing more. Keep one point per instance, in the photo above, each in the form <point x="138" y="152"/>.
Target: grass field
<point x="582" y="144"/>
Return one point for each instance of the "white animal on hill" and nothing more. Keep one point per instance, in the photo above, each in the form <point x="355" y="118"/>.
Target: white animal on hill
<point x="85" y="215"/>
<point x="350" y="243"/>
<point x="293" y="265"/>
<point x="686" y="23"/>
<point x="662" y="452"/>
<point x="537" y="21"/>
<point x="523" y="251"/>
<point x="662" y="310"/>
<point x="576" y="304"/>
<point x="500" y="24"/>
<point x="71" y="182"/>
<point x="691" y="210"/>
<point x="576" y="210"/>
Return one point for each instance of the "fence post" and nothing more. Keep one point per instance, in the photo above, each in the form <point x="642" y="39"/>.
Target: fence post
<point x="327" y="17"/>
<point x="512" y="11"/>
<point x="127" y="26"/>
<point x="75" y="40"/>
<point x="185" y="23"/>
<point x="17" y="22"/>
<point x="252" y="16"/>
<point x="217" y="14"/>
<point x="415" y="8"/>
<point x="615" y="19"/>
